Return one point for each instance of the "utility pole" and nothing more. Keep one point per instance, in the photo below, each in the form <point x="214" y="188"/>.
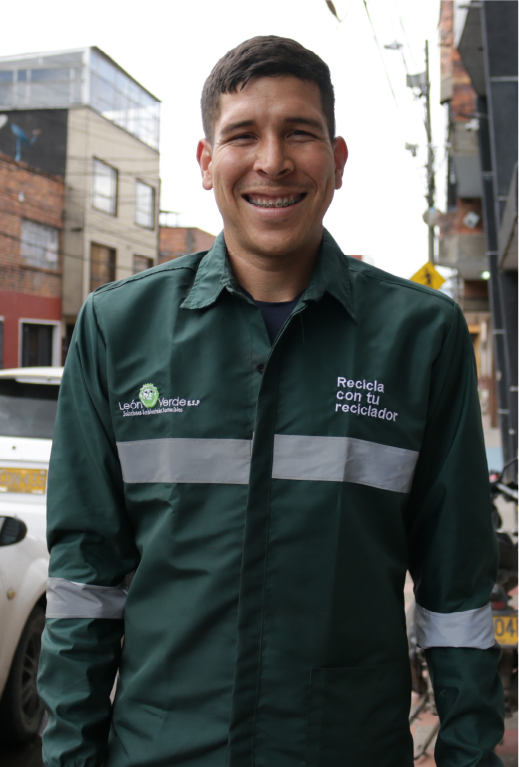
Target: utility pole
<point x="430" y="153"/>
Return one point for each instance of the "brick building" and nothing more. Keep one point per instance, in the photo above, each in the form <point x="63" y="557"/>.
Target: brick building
<point x="31" y="223"/>
<point x="175" y="241"/>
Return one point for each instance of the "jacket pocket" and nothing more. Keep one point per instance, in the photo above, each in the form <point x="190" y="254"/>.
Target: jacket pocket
<point x="359" y="717"/>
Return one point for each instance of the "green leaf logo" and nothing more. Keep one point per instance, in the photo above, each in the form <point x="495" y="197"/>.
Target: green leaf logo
<point x="149" y="395"/>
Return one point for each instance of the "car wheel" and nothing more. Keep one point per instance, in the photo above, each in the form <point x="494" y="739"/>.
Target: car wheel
<point x="21" y="709"/>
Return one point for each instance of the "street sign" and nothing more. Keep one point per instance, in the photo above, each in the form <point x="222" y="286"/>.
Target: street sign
<point x="428" y="275"/>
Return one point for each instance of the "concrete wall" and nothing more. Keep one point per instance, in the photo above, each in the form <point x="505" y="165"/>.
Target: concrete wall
<point x="92" y="136"/>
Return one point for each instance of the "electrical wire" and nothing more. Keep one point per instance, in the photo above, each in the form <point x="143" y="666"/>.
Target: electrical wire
<point x="404" y="32"/>
<point x="96" y="228"/>
<point x="379" y="50"/>
<point x="406" y="68"/>
<point x="60" y="254"/>
<point x="401" y="47"/>
<point x="89" y="131"/>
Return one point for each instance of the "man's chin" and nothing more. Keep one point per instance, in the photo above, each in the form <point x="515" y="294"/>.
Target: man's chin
<point x="275" y="248"/>
<point x="277" y="243"/>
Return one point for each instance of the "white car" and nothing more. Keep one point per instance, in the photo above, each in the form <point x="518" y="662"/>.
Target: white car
<point x="28" y="402"/>
<point x="23" y="580"/>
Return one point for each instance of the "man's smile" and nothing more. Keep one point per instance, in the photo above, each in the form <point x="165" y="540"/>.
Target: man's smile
<point x="263" y="201"/>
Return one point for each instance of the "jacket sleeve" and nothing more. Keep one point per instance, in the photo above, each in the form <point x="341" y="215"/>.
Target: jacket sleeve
<point x="453" y="560"/>
<point x="91" y="551"/>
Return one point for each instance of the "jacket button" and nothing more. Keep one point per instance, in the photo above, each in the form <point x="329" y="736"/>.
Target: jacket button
<point x="260" y="367"/>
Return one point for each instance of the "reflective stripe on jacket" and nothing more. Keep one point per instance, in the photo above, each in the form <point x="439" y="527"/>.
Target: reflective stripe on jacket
<point x="270" y="501"/>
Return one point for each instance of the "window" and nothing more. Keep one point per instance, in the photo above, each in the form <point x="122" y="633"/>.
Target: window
<point x="28" y="409"/>
<point x="104" y="188"/>
<point x="102" y="265"/>
<point x="40" y="245"/>
<point x="140" y="263"/>
<point x="42" y="81"/>
<point x="124" y="102"/>
<point x="54" y="75"/>
<point x="144" y="205"/>
<point x="40" y="344"/>
<point x="6" y="88"/>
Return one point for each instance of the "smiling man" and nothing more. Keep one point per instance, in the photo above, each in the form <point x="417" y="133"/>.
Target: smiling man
<point x="270" y="434"/>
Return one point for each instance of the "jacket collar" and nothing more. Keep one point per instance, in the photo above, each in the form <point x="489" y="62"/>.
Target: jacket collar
<point x="331" y="274"/>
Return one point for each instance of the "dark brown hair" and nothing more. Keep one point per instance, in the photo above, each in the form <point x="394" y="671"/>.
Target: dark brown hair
<point x="267" y="56"/>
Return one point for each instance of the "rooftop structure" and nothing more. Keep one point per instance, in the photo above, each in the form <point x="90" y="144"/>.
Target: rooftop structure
<point x="84" y="76"/>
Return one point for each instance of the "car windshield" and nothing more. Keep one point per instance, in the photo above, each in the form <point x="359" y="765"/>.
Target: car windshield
<point x="27" y="409"/>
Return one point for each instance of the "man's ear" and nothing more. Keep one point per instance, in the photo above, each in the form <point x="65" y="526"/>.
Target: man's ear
<point x="204" y="155"/>
<point x="340" y="154"/>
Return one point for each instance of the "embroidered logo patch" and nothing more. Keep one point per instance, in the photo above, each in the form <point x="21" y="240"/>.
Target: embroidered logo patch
<point x="151" y="403"/>
<point x="149" y="395"/>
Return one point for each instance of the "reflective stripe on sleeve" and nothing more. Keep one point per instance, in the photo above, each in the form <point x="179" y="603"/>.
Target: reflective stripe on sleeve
<point x="67" y="599"/>
<point x="219" y="461"/>
<point x="343" y="459"/>
<point x="471" y="628"/>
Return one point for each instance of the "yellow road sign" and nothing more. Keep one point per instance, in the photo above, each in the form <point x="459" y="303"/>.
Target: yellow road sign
<point x="428" y="275"/>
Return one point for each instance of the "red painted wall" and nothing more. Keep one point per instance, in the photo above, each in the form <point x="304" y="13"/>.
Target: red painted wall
<point x="14" y="306"/>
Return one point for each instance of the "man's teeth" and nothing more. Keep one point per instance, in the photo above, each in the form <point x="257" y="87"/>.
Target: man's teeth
<point x="279" y="202"/>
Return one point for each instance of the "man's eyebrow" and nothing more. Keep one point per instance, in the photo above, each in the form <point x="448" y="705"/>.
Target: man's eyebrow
<point x="305" y="121"/>
<point x="236" y="126"/>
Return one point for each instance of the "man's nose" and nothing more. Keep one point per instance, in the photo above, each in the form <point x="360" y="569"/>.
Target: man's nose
<point x="273" y="157"/>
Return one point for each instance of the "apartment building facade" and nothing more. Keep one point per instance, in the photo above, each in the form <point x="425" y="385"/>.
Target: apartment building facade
<point x="78" y="115"/>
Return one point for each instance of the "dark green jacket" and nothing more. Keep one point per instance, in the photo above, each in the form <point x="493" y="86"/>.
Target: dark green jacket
<point x="270" y="500"/>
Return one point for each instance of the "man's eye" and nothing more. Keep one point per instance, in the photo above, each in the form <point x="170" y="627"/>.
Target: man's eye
<point x="301" y="134"/>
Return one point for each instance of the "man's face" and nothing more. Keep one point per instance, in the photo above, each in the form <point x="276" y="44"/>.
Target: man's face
<point x="272" y="166"/>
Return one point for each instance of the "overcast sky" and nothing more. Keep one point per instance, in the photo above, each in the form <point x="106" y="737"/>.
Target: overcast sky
<point x="170" y="48"/>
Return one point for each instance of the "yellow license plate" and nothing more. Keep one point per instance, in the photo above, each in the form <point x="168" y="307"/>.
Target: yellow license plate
<point x="505" y="629"/>
<point x="23" y="480"/>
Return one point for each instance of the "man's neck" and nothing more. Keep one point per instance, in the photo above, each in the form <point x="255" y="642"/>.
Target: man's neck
<point x="272" y="278"/>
